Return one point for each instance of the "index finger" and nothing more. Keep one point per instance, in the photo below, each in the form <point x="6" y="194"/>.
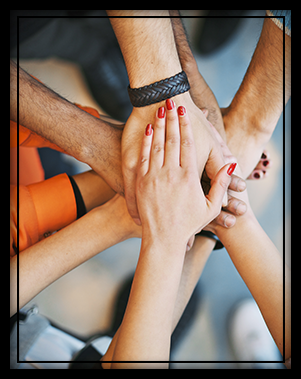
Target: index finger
<point x="188" y="157"/>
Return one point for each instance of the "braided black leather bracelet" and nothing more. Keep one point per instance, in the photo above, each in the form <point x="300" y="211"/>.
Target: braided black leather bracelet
<point x="159" y="91"/>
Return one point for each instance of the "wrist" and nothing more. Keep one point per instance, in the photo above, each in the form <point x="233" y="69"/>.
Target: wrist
<point x="181" y="99"/>
<point x="242" y="223"/>
<point x="245" y="109"/>
<point x="115" y="218"/>
<point x="159" y="91"/>
<point x="164" y="243"/>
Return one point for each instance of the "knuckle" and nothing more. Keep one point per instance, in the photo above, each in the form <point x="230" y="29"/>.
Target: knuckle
<point x="157" y="148"/>
<point x="173" y="139"/>
<point x="172" y="116"/>
<point x="129" y="165"/>
<point x="187" y="142"/>
<point x="171" y="176"/>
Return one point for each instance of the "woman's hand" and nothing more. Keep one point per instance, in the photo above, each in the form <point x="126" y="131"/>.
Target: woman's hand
<point x="238" y="205"/>
<point x="170" y="199"/>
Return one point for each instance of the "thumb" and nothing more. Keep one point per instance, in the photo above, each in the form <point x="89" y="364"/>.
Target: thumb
<point x="219" y="187"/>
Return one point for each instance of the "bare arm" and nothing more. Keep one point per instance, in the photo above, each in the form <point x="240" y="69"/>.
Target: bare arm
<point x="261" y="267"/>
<point x="81" y="135"/>
<point x="194" y="263"/>
<point x="200" y="92"/>
<point x="264" y="81"/>
<point x="150" y="54"/>
<point x="48" y="260"/>
<point x="147" y="45"/>
<point x="256" y="107"/>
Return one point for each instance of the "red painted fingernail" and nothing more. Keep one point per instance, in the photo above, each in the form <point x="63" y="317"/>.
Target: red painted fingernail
<point x="263" y="156"/>
<point x="265" y="163"/>
<point x="161" y="112"/>
<point x="170" y="104"/>
<point x="148" y="130"/>
<point x="256" y="175"/>
<point x="231" y="168"/>
<point x="181" y="111"/>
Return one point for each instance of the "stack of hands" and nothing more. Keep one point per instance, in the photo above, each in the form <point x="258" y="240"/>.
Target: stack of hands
<point x="171" y="202"/>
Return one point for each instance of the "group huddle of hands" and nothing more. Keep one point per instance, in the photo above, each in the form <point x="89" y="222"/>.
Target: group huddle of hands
<point x="162" y="172"/>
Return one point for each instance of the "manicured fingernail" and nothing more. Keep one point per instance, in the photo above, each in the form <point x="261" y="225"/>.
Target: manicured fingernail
<point x="181" y="111"/>
<point x="256" y="175"/>
<point x="170" y="104"/>
<point x="148" y="130"/>
<point x="265" y="163"/>
<point x="161" y="112"/>
<point x="263" y="156"/>
<point x="231" y="168"/>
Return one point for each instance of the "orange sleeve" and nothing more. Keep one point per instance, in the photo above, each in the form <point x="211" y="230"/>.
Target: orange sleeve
<point x="28" y="138"/>
<point x="43" y="208"/>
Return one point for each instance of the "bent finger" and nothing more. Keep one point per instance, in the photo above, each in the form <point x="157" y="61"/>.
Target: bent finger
<point x="219" y="187"/>
<point x="225" y="220"/>
<point x="237" y="184"/>
<point x="236" y="206"/>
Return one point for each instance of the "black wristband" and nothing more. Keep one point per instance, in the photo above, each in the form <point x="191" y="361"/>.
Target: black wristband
<point x="80" y="205"/>
<point x="159" y="91"/>
<point x="206" y="233"/>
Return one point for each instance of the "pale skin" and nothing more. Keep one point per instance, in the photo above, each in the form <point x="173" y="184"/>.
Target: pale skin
<point x="166" y="176"/>
<point x="261" y="267"/>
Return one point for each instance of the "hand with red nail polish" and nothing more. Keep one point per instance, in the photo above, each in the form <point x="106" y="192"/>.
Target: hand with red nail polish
<point x="238" y="202"/>
<point x="261" y="170"/>
<point x="171" y="203"/>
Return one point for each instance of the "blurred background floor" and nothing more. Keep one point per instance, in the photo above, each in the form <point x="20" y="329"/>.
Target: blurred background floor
<point x="82" y="301"/>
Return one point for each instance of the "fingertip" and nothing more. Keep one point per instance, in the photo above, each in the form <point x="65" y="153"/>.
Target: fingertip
<point x="229" y="221"/>
<point x="231" y="168"/>
<point x="181" y="111"/>
<point x="148" y="130"/>
<point x="241" y="209"/>
<point x="241" y="185"/>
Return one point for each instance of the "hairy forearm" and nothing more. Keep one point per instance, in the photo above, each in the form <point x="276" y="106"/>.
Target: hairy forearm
<point x="261" y="267"/>
<point x="260" y="96"/>
<point x="147" y="45"/>
<point x="77" y="132"/>
<point x="200" y="92"/>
